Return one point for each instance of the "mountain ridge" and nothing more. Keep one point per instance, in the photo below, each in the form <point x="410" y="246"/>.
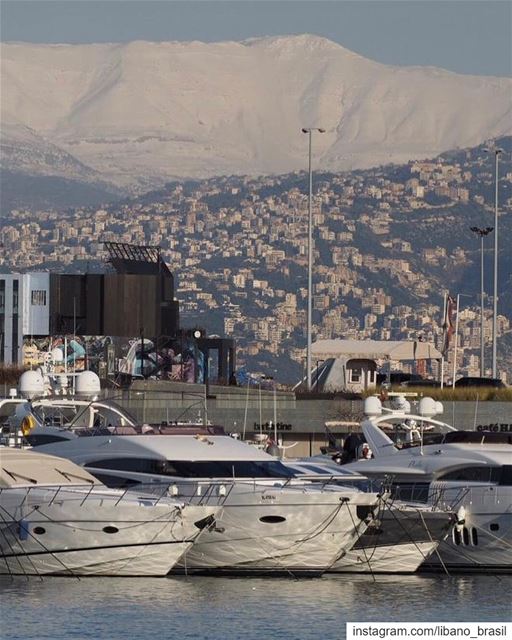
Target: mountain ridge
<point x="140" y="113"/>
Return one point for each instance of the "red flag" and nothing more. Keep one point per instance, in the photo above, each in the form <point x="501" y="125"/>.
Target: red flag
<point x="449" y="324"/>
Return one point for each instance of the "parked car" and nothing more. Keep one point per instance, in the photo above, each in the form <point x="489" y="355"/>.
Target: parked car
<point x="480" y="382"/>
<point x="422" y="383"/>
<point x="398" y="377"/>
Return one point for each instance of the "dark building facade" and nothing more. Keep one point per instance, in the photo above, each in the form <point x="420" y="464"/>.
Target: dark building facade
<point x="113" y="304"/>
<point x="135" y="303"/>
<point x="136" y="300"/>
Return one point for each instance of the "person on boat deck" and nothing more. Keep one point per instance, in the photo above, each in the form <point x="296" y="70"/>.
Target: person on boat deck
<point x="272" y="447"/>
<point x="366" y="452"/>
<point x="350" y="447"/>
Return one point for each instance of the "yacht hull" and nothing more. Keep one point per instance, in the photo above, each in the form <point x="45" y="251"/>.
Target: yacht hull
<point x="487" y="551"/>
<point x="70" y="532"/>
<point x="397" y="559"/>
<point x="482" y="539"/>
<point x="132" y="560"/>
<point x="279" y="530"/>
<point x="398" y="541"/>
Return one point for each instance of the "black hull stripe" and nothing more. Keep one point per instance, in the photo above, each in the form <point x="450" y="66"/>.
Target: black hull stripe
<point x="77" y="522"/>
<point x="52" y="552"/>
<point x="464" y="568"/>
<point x="237" y="571"/>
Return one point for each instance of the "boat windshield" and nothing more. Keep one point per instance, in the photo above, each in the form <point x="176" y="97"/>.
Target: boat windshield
<point x="413" y="438"/>
<point x="54" y="415"/>
<point x="198" y="469"/>
<point x="412" y="433"/>
<point x="72" y="414"/>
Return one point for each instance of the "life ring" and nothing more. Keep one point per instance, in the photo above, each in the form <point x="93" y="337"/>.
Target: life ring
<point x="27" y="424"/>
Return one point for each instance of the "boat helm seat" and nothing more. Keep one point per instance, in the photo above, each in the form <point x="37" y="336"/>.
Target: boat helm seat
<point x="124" y="431"/>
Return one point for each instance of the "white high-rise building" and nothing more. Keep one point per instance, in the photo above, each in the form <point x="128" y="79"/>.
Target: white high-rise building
<point x="24" y="311"/>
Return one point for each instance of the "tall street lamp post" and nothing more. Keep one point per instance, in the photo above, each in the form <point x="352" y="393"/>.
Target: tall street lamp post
<point x="497" y="152"/>
<point x="309" y="131"/>
<point x="482" y="233"/>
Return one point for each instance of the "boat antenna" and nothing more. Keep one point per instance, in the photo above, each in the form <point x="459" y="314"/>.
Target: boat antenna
<point x="246" y="408"/>
<point x="205" y="411"/>
<point x="476" y="411"/>
<point x="74" y="338"/>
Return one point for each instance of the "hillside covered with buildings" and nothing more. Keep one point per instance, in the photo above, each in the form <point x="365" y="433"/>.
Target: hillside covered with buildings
<point x="390" y="243"/>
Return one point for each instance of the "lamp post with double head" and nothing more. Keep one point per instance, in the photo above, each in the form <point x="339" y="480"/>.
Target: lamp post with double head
<point x="482" y="233"/>
<point x="497" y="152"/>
<point x="309" y="131"/>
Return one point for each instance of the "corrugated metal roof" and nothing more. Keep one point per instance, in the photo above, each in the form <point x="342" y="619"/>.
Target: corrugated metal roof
<point x="375" y="349"/>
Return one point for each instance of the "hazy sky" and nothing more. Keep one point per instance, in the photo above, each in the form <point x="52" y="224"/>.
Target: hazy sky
<point x="467" y="36"/>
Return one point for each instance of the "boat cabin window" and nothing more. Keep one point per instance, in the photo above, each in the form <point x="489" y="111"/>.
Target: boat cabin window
<point x="198" y="469"/>
<point x="478" y="437"/>
<point x="415" y="492"/>
<point x="306" y="468"/>
<point x="506" y="475"/>
<point x="477" y="474"/>
<point x="38" y="439"/>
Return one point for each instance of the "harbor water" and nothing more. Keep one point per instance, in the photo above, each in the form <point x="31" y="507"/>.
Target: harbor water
<point x="249" y="608"/>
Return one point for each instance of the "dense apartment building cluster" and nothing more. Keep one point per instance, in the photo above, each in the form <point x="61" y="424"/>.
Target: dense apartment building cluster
<point x="238" y="248"/>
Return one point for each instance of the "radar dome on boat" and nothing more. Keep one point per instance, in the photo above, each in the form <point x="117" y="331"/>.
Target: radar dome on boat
<point x="399" y="403"/>
<point x="439" y="407"/>
<point x="372" y="406"/>
<point x="87" y="384"/>
<point x="428" y="407"/>
<point x="31" y="384"/>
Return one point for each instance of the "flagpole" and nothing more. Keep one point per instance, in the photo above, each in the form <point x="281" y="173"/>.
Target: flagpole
<point x="444" y="326"/>
<point x="455" y="343"/>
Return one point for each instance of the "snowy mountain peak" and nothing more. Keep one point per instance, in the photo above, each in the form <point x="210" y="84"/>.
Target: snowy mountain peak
<point x="302" y="42"/>
<point x="143" y="112"/>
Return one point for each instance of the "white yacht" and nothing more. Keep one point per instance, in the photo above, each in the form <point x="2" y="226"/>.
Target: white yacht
<point x="469" y="472"/>
<point x="271" y="522"/>
<point x="400" y="535"/>
<point x="56" y="518"/>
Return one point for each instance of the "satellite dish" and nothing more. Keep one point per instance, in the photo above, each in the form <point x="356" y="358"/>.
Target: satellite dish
<point x="31" y="384"/>
<point x="427" y="407"/>
<point x="88" y="384"/>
